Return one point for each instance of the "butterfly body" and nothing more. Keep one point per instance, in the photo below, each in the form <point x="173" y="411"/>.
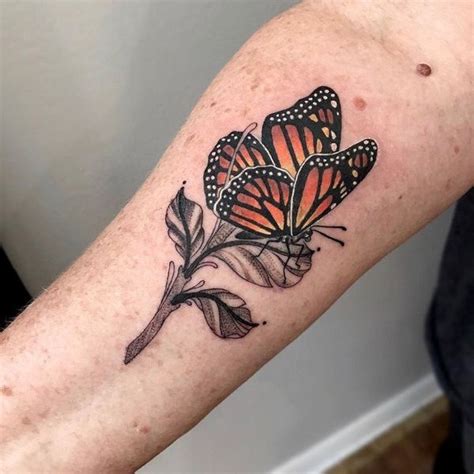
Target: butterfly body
<point x="281" y="187"/>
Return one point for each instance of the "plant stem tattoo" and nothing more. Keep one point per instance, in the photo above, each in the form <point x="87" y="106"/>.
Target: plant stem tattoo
<point x="269" y="196"/>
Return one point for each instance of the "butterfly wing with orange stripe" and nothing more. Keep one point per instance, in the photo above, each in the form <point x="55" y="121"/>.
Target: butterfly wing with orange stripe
<point x="257" y="200"/>
<point x="311" y="126"/>
<point x="325" y="180"/>
<point x="250" y="153"/>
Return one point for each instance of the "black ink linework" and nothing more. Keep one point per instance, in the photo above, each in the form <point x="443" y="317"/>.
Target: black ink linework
<point x="269" y="196"/>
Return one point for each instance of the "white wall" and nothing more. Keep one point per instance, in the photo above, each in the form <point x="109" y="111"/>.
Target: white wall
<point x="92" y="94"/>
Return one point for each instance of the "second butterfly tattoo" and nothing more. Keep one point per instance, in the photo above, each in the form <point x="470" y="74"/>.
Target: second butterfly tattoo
<point x="268" y="196"/>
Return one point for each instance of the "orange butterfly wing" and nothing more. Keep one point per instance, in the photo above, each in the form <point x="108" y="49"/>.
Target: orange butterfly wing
<point x="324" y="181"/>
<point x="251" y="153"/>
<point x="311" y="126"/>
<point x="258" y="201"/>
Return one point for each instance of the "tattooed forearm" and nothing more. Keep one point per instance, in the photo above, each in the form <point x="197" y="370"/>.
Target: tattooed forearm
<point x="269" y="197"/>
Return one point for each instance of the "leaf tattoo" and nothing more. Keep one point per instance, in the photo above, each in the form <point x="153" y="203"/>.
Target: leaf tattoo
<point x="225" y="313"/>
<point x="267" y="265"/>
<point x="269" y="196"/>
<point x="184" y="221"/>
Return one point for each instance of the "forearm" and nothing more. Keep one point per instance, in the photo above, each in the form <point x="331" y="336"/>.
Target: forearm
<point x="62" y="361"/>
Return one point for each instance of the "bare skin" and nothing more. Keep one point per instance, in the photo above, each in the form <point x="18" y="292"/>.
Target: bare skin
<point x="64" y="386"/>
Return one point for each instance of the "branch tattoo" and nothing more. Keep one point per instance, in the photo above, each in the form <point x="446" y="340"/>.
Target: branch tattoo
<point x="269" y="197"/>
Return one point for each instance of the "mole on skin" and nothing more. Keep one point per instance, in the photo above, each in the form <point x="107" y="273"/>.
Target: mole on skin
<point x="423" y="69"/>
<point x="360" y="103"/>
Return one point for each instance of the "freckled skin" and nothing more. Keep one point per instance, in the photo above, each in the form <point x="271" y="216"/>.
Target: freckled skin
<point x="95" y="308"/>
<point x="7" y="391"/>
<point x="189" y="139"/>
<point x="359" y="103"/>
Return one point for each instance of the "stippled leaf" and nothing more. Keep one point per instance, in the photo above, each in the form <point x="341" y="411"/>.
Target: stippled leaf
<point x="225" y="313"/>
<point x="184" y="221"/>
<point x="266" y="263"/>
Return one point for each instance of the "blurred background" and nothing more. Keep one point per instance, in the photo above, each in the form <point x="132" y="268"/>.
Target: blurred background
<point x="92" y="93"/>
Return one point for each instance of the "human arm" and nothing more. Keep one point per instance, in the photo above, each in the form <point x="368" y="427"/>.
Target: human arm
<point x="87" y="319"/>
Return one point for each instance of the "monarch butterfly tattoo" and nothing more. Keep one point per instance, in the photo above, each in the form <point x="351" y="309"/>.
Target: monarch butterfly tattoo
<point x="269" y="196"/>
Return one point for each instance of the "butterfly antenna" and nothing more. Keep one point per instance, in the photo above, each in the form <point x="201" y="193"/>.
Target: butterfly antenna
<point x="340" y="242"/>
<point x="248" y="130"/>
<point x="340" y="227"/>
